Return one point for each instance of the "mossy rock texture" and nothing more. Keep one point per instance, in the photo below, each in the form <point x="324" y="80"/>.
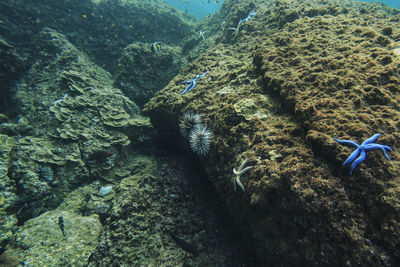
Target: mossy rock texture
<point x="72" y="126"/>
<point x="11" y="66"/>
<point x="143" y="71"/>
<point x="328" y="72"/>
<point x="101" y="29"/>
<point x="40" y="242"/>
<point x="9" y="198"/>
<point x="160" y="196"/>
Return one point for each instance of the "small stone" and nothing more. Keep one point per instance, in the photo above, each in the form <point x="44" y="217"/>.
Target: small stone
<point x="105" y="190"/>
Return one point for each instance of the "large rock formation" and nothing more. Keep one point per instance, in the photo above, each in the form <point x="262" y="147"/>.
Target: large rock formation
<point x="143" y="71"/>
<point x="72" y="126"/>
<point x="278" y="89"/>
<point x="277" y="92"/>
<point x="101" y="29"/>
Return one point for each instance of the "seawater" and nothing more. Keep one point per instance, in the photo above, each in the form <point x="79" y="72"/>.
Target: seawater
<point x="392" y="3"/>
<point x="204" y="8"/>
<point x="197" y="8"/>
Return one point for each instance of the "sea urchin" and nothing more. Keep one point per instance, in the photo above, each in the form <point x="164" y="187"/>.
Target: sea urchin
<point x="188" y="121"/>
<point x="200" y="139"/>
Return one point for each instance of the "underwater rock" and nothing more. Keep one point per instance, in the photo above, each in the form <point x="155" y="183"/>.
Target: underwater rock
<point x="8" y="198"/>
<point x="142" y="72"/>
<point x="105" y="190"/>
<point x="254" y="107"/>
<point x="73" y="125"/>
<point x="40" y="237"/>
<point x="396" y="51"/>
<point x="11" y="66"/>
<point x="161" y="196"/>
<point x="101" y="29"/>
<point x="329" y="74"/>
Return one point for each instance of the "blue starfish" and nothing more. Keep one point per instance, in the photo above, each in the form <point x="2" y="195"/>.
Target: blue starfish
<point x="361" y="150"/>
<point x="192" y="83"/>
<point x="235" y="30"/>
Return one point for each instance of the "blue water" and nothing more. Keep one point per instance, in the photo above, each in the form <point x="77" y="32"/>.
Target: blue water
<point x="201" y="8"/>
<point x="198" y="8"/>
<point x="392" y="3"/>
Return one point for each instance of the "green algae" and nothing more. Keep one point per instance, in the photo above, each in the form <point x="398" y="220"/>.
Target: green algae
<point x="40" y="240"/>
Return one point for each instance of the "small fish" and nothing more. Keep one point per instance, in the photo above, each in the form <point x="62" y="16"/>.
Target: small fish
<point x="61" y="224"/>
<point x="155" y="47"/>
<point x="185" y="245"/>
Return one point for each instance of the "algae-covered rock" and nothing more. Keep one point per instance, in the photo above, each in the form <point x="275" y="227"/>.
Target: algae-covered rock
<point x="159" y="197"/>
<point x="101" y="29"/>
<point x="142" y="70"/>
<point x="256" y="107"/>
<point x="44" y="171"/>
<point x="73" y="124"/>
<point x="40" y="241"/>
<point x="331" y="73"/>
<point x="8" y="197"/>
<point x="11" y="66"/>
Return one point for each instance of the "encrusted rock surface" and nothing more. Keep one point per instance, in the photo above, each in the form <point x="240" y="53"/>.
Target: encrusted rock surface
<point x="11" y="66"/>
<point x="142" y="71"/>
<point x="72" y="126"/>
<point x="101" y="29"/>
<point x="8" y="197"/>
<point x="40" y="242"/>
<point x="162" y="196"/>
<point x="278" y="98"/>
<point x="277" y="91"/>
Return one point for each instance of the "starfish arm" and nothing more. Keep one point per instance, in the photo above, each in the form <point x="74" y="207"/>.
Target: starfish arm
<point x="374" y="146"/>
<point x="371" y="139"/>
<point x="360" y="159"/>
<point x="192" y="85"/>
<point x="347" y="142"/>
<point x="384" y="151"/>
<point x="239" y="182"/>
<point x="204" y="74"/>
<point x="242" y="165"/>
<point x="188" y="88"/>
<point x="246" y="169"/>
<point x="351" y="157"/>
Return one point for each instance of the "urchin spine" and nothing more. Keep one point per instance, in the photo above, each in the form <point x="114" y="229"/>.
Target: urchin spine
<point x="200" y="139"/>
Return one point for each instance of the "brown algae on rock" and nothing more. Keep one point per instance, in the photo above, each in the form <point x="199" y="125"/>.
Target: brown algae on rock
<point x="277" y="91"/>
<point x="330" y="75"/>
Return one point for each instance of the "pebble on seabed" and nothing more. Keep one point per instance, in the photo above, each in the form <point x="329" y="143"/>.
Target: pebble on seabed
<point x="105" y="190"/>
